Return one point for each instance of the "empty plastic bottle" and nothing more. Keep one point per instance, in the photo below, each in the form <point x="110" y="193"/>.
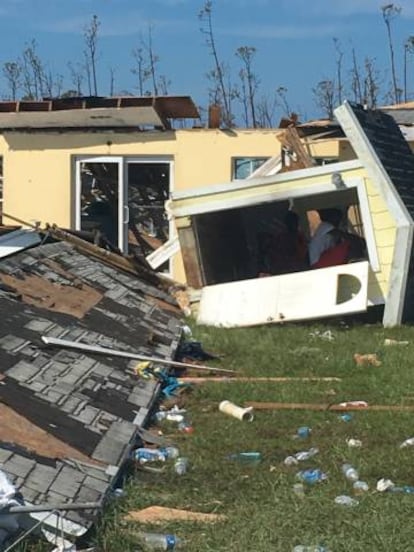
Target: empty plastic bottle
<point x="307" y="548"/>
<point x="407" y="489"/>
<point x="185" y="427"/>
<point x="360" y="487"/>
<point x="304" y="432"/>
<point x="145" y="455"/>
<point x="181" y="465"/>
<point x="345" y="417"/>
<point x="299" y="490"/>
<point x="246" y="457"/>
<point x="407" y="443"/>
<point x="159" y="541"/>
<point x="345" y="500"/>
<point x="306" y="454"/>
<point x="170" y="452"/>
<point x="350" y="472"/>
<point x="311" y="476"/>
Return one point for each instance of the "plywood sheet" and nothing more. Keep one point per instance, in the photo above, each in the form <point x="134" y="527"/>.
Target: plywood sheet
<point x="299" y="296"/>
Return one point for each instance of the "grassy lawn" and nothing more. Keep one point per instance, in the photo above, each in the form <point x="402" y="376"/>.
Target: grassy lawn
<point x="263" y="512"/>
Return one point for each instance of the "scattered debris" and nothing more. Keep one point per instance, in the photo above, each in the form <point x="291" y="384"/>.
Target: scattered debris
<point x="367" y="360"/>
<point x="345" y="500"/>
<point x="407" y="443"/>
<point x="160" y="514"/>
<point x="246" y="457"/>
<point x="327" y="335"/>
<point x="354" y="443"/>
<point x="312" y="476"/>
<point x="243" y="414"/>
<point x="388" y="342"/>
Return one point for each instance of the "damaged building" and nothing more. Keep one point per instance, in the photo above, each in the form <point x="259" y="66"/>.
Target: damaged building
<point x="218" y="228"/>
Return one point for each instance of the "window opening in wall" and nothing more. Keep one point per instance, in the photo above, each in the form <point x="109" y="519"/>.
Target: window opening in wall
<point x="274" y="238"/>
<point x="243" y="167"/>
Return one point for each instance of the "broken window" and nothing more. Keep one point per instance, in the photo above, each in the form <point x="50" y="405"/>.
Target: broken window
<point x="121" y="203"/>
<point x="231" y="241"/>
<point x="243" y="167"/>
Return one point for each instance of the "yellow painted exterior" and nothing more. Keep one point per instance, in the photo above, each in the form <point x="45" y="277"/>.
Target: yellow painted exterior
<point x="39" y="175"/>
<point x="39" y="168"/>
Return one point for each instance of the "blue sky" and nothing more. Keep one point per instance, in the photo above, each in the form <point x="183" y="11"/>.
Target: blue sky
<point x="293" y="40"/>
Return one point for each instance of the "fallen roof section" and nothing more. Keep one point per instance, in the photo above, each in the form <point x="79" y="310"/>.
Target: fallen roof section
<point x="70" y="418"/>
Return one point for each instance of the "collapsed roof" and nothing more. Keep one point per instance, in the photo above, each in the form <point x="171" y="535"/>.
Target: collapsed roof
<point x="70" y="418"/>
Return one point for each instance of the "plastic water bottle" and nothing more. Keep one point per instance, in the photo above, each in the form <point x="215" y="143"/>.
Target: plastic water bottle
<point x="170" y="452"/>
<point x="311" y="476"/>
<point x="350" y="472"/>
<point x="246" y="457"/>
<point x="305" y="548"/>
<point x="159" y="541"/>
<point x="407" y="443"/>
<point x="303" y="432"/>
<point x="181" y="465"/>
<point x="345" y="417"/>
<point x="299" y="490"/>
<point x="144" y="455"/>
<point x="360" y="487"/>
<point x="407" y="489"/>
<point x="306" y="454"/>
<point x="185" y="427"/>
<point x="345" y="500"/>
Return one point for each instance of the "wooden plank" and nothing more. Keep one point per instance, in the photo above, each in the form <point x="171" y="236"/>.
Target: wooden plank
<point x="321" y="407"/>
<point x="189" y="252"/>
<point x="297" y="296"/>
<point x="161" y="514"/>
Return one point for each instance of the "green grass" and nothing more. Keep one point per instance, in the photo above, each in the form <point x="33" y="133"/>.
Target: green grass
<point x="263" y="512"/>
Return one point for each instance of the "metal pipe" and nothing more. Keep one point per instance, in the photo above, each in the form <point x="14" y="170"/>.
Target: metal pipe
<point x="49" y="507"/>
<point x="123" y="354"/>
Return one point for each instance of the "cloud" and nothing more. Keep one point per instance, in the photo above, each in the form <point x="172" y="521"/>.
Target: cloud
<point x="340" y="8"/>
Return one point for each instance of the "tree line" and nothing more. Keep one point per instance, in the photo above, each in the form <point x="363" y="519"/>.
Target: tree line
<point x="238" y="94"/>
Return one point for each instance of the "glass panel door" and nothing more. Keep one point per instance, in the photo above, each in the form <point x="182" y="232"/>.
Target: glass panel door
<point x="100" y="194"/>
<point x="148" y="187"/>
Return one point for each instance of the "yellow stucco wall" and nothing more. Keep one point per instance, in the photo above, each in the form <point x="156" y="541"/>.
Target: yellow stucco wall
<point x="39" y="179"/>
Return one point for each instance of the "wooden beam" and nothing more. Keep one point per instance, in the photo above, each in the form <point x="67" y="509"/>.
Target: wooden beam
<point x="327" y="407"/>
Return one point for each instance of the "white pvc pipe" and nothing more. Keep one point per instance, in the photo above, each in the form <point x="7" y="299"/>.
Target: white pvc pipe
<point x="243" y="414"/>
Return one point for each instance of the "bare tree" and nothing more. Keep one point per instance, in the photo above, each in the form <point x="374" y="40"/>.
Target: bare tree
<point x="339" y="56"/>
<point x="356" y="85"/>
<point x="77" y="77"/>
<point x="371" y="83"/>
<point x="111" y="81"/>
<point x="249" y="80"/>
<point x="221" y="94"/>
<point x="282" y="101"/>
<point x="12" y="72"/>
<point x="140" y="69"/>
<point x="408" y="49"/>
<point x="32" y="72"/>
<point x="389" y="12"/>
<point x="91" y="42"/>
<point x="324" y="94"/>
<point x="153" y="60"/>
<point x="266" y="108"/>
